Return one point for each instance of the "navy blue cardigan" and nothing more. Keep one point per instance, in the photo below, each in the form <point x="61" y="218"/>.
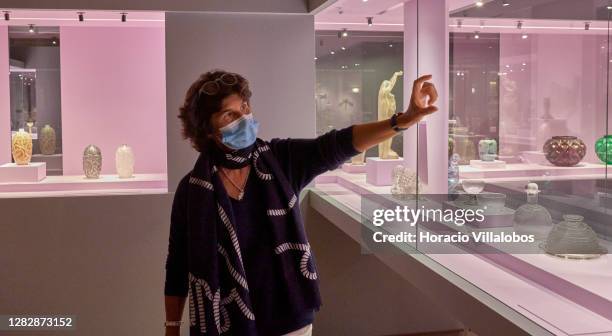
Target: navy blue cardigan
<point x="301" y="160"/>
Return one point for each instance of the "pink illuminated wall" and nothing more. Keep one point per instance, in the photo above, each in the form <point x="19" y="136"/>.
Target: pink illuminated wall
<point x="555" y="76"/>
<point x="5" y="115"/>
<point x="113" y="92"/>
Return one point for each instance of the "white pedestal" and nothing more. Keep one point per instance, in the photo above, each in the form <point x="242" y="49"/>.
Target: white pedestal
<point x="353" y="168"/>
<point x="378" y="171"/>
<point x="34" y="172"/>
<point x="54" y="162"/>
<point x="497" y="164"/>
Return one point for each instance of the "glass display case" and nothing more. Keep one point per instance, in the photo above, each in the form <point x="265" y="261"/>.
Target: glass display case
<point x="350" y="72"/>
<point x="34" y="70"/>
<point x="82" y="104"/>
<point x="523" y="136"/>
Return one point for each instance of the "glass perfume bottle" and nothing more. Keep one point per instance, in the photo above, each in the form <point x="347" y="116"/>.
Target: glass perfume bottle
<point x="532" y="218"/>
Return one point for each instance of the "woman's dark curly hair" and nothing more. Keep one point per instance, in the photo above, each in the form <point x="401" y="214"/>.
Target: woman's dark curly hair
<point x="197" y="108"/>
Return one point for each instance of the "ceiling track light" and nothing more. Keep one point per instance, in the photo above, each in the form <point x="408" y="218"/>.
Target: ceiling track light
<point x="7" y="15"/>
<point x="81" y="17"/>
<point x="505" y="3"/>
<point x="476" y="35"/>
<point x="479" y="3"/>
<point x="519" y="24"/>
<point x="31" y="28"/>
<point x="369" y="21"/>
<point x="123" y="17"/>
<point x="587" y="25"/>
<point x="344" y="32"/>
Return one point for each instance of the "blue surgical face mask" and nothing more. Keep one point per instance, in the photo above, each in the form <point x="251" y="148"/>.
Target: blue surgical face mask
<point x="240" y="133"/>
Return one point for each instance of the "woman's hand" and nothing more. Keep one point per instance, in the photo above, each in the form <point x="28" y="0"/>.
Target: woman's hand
<point x="423" y="96"/>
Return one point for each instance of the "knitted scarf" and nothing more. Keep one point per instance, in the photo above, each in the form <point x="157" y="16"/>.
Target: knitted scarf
<point x="219" y="300"/>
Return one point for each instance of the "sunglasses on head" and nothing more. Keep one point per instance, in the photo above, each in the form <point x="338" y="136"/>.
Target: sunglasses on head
<point x="212" y="87"/>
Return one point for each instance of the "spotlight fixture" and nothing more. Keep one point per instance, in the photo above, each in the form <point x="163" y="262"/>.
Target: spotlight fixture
<point x="7" y="15"/>
<point x="524" y="36"/>
<point x="369" y="21"/>
<point x="390" y="45"/>
<point x="343" y="48"/>
<point x="519" y="24"/>
<point x="123" y="17"/>
<point x="587" y="25"/>
<point x="31" y="28"/>
<point x="479" y="3"/>
<point x="81" y="18"/>
<point x="459" y="23"/>
<point x="332" y="52"/>
<point x="476" y="35"/>
<point x="54" y="41"/>
<point x="344" y="32"/>
<point x="505" y="3"/>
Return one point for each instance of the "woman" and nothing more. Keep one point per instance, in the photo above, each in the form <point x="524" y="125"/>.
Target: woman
<point x="237" y="245"/>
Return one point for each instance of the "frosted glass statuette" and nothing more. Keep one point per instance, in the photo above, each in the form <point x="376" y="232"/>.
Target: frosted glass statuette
<point x="386" y="108"/>
<point x="21" y="147"/>
<point x="47" y="140"/>
<point x="532" y="218"/>
<point x="92" y="162"/>
<point x="124" y="161"/>
<point x="573" y="239"/>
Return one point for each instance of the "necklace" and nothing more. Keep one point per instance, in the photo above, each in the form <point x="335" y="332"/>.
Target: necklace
<point x="241" y="189"/>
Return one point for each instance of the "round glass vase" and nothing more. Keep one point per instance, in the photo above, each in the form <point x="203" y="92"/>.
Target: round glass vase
<point x="603" y="148"/>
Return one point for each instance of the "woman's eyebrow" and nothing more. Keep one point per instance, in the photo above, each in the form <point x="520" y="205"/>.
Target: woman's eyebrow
<point x="228" y="110"/>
